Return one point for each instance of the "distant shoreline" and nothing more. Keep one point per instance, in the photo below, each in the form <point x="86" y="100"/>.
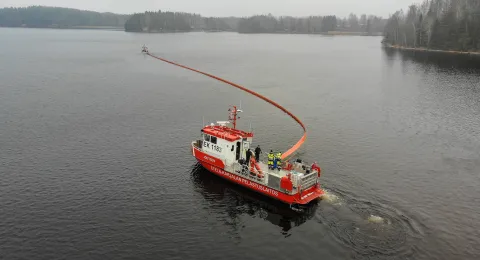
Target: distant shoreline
<point x="425" y="50"/>
<point x="112" y="28"/>
<point x="103" y="28"/>
<point x="331" y="33"/>
<point x="107" y="28"/>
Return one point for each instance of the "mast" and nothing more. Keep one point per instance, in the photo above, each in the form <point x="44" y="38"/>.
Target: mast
<point x="233" y="116"/>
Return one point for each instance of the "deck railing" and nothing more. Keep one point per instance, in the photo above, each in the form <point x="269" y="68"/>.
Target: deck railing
<point x="309" y="180"/>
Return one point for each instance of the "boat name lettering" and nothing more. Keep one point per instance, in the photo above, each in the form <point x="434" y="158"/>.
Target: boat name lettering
<point x="209" y="158"/>
<point x="303" y="197"/>
<point x="239" y="179"/>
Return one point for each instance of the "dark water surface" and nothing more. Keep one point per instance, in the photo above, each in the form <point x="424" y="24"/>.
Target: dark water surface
<point x="95" y="160"/>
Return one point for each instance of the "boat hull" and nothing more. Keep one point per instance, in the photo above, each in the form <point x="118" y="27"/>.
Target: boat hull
<point x="296" y="199"/>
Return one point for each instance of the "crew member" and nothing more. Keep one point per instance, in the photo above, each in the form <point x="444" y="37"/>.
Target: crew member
<point x="278" y="158"/>
<point x="271" y="157"/>
<point x="288" y="166"/>
<point x="316" y="167"/>
<point x="249" y="154"/>
<point x="258" y="151"/>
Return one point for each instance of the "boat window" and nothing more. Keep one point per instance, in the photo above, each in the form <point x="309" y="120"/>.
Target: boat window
<point x="237" y="154"/>
<point x="213" y="139"/>
<point x="206" y="138"/>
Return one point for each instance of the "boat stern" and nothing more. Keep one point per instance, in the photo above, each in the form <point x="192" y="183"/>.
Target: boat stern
<point x="310" y="195"/>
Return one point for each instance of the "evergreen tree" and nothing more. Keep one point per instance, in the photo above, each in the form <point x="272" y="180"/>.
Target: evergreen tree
<point x="55" y="17"/>
<point x="437" y="24"/>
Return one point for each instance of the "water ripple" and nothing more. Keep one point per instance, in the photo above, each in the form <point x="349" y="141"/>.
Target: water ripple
<point x="370" y="229"/>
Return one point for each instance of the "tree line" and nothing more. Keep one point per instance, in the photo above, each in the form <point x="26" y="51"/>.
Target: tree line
<point x="160" y="21"/>
<point x="48" y="17"/>
<point x="313" y="24"/>
<point x="287" y="24"/>
<point x="436" y="24"/>
<point x="177" y="22"/>
<point x="170" y="21"/>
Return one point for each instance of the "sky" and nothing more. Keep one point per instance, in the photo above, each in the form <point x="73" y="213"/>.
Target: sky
<point x="229" y="7"/>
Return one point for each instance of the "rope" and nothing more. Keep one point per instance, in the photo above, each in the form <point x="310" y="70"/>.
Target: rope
<point x="285" y="154"/>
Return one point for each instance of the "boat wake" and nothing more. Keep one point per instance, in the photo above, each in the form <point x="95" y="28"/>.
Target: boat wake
<point x="377" y="219"/>
<point x="331" y="198"/>
<point x="369" y="229"/>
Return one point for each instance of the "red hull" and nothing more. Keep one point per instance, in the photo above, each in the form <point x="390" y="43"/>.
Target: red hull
<point x="212" y="164"/>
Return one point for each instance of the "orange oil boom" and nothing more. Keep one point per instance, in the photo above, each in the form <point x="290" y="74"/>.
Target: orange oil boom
<point x="285" y="154"/>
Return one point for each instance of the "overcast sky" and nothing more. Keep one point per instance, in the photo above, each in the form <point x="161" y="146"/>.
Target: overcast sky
<point x="230" y="7"/>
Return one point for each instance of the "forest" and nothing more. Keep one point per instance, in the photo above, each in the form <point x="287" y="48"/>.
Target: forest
<point x="178" y="22"/>
<point x="366" y="25"/>
<point x="56" y="17"/>
<point x="436" y="24"/>
<point x="161" y="21"/>
<point x="169" y="22"/>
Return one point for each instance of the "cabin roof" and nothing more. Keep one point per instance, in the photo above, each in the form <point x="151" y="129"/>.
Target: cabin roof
<point x="226" y="133"/>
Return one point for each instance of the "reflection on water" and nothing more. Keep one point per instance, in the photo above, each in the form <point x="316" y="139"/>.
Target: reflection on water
<point x="368" y="229"/>
<point x="237" y="201"/>
<point x="465" y="63"/>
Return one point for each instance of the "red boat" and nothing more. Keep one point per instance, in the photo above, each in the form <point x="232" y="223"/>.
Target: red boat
<point x="222" y="150"/>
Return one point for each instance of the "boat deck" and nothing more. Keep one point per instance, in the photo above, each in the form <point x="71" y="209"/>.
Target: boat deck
<point x="271" y="177"/>
<point x="300" y="176"/>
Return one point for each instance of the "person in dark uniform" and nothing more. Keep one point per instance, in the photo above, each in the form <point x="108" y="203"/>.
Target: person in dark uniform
<point x="258" y="151"/>
<point x="249" y="154"/>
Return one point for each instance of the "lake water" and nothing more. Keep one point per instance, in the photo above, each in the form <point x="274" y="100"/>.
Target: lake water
<point x="95" y="160"/>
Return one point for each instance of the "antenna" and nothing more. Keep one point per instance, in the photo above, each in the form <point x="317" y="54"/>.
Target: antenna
<point x="233" y="116"/>
<point x="203" y="121"/>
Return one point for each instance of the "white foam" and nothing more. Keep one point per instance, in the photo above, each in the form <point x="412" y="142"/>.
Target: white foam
<point x="330" y="198"/>
<point x="375" y="219"/>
